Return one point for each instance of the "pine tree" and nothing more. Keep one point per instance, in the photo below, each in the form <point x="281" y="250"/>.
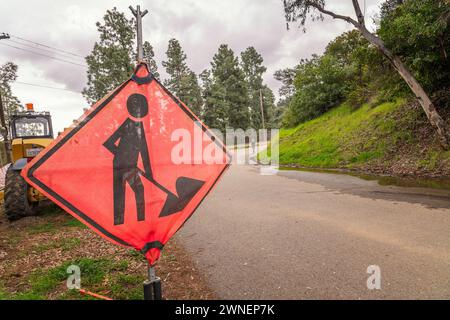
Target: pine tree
<point x="191" y="93"/>
<point x="175" y="66"/>
<point x="229" y="89"/>
<point x="252" y="65"/>
<point x="110" y="62"/>
<point x="182" y="81"/>
<point x="113" y="57"/>
<point x="149" y="58"/>
<point x="214" y="110"/>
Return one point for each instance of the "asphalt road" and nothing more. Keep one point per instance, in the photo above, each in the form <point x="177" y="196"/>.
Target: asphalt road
<point x="303" y="235"/>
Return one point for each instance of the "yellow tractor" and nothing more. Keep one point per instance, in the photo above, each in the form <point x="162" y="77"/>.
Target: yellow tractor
<point x="31" y="132"/>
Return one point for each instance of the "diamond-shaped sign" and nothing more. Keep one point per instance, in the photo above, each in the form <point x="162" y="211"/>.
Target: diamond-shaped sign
<point x="134" y="168"/>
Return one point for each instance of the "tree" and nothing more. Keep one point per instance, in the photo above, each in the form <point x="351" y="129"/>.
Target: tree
<point x="270" y="112"/>
<point x="349" y="49"/>
<point x="112" y="59"/>
<point x="286" y="77"/>
<point x="389" y="6"/>
<point x="253" y="69"/>
<point x="363" y="66"/>
<point x="149" y="58"/>
<point x="286" y="91"/>
<point x="320" y="83"/>
<point x="418" y="32"/>
<point x="191" y="93"/>
<point x="8" y="102"/>
<point x="110" y="62"/>
<point x="11" y="104"/>
<point x="300" y="10"/>
<point x="175" y="65"/>
<point x="182" y="81"/>
<point x="229" y="89"/>
<point x="214" y="112"/>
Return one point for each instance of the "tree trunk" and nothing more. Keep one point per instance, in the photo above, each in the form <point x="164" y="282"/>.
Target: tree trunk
<point x="430" y="110"/>
<point x="4" y="130"/>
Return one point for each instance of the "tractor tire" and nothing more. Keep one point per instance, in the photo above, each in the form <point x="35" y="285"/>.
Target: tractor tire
<point x="16" y="196"/>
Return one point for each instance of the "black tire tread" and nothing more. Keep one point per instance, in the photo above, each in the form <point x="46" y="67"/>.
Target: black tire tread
<point x="16" y="202"/>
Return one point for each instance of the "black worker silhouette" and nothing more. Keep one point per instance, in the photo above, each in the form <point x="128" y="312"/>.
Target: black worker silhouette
<point x="126" y="152"/>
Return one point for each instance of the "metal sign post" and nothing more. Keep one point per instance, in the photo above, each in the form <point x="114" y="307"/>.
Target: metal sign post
<point x="152" y="286"/>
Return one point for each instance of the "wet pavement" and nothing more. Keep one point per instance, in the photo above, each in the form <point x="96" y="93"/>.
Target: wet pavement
<point x="309" y="235"/>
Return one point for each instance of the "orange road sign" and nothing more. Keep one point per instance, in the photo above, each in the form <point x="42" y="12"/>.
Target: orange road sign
<point x="123" y="171"/>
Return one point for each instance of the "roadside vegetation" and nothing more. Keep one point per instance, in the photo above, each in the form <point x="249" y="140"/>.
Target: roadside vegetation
<point x="388" y="138"/>
<point x="350" y="108"/>
<point x="36" y="251"/>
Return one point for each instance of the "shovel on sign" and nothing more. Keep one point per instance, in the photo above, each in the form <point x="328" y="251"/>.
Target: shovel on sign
<point x="187" y="188"/>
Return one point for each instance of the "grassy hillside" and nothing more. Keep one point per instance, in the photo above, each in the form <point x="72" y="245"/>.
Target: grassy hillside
<point x="387" y="138"/>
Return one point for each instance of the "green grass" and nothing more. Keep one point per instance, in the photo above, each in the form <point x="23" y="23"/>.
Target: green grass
<point x="3" y="294"/>
<point x="368" y="136"/>
<point x="74" y="223"/>
<point x="47" y="227"/>
<point x="97" y="275"/>
<point x="343" y="137"/>
<point x="127" y="287"/>
<point x="65" y="244"/>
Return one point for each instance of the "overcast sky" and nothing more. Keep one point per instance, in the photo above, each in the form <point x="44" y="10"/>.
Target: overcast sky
<point x="200" y="26"/>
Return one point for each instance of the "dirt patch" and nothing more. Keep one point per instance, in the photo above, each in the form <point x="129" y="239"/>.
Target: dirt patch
<point x="36" y="251"/>
<point x="422" y="155"/>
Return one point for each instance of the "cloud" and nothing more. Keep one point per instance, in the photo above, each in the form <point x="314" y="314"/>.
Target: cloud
<point x="200" y="26"/>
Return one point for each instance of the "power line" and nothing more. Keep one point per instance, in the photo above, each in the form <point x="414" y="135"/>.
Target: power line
<point x="44" y="55"/>
<point x="47" y="46"/>
<point x="44" y="86"/>
<point x="7" y="36"/>
<point x="33" y="47"/>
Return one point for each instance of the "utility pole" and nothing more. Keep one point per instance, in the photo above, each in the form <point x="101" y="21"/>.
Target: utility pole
<point x="261" y="104"/>
<point x="4" y="128"/>
<point x="138" y="15"/>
